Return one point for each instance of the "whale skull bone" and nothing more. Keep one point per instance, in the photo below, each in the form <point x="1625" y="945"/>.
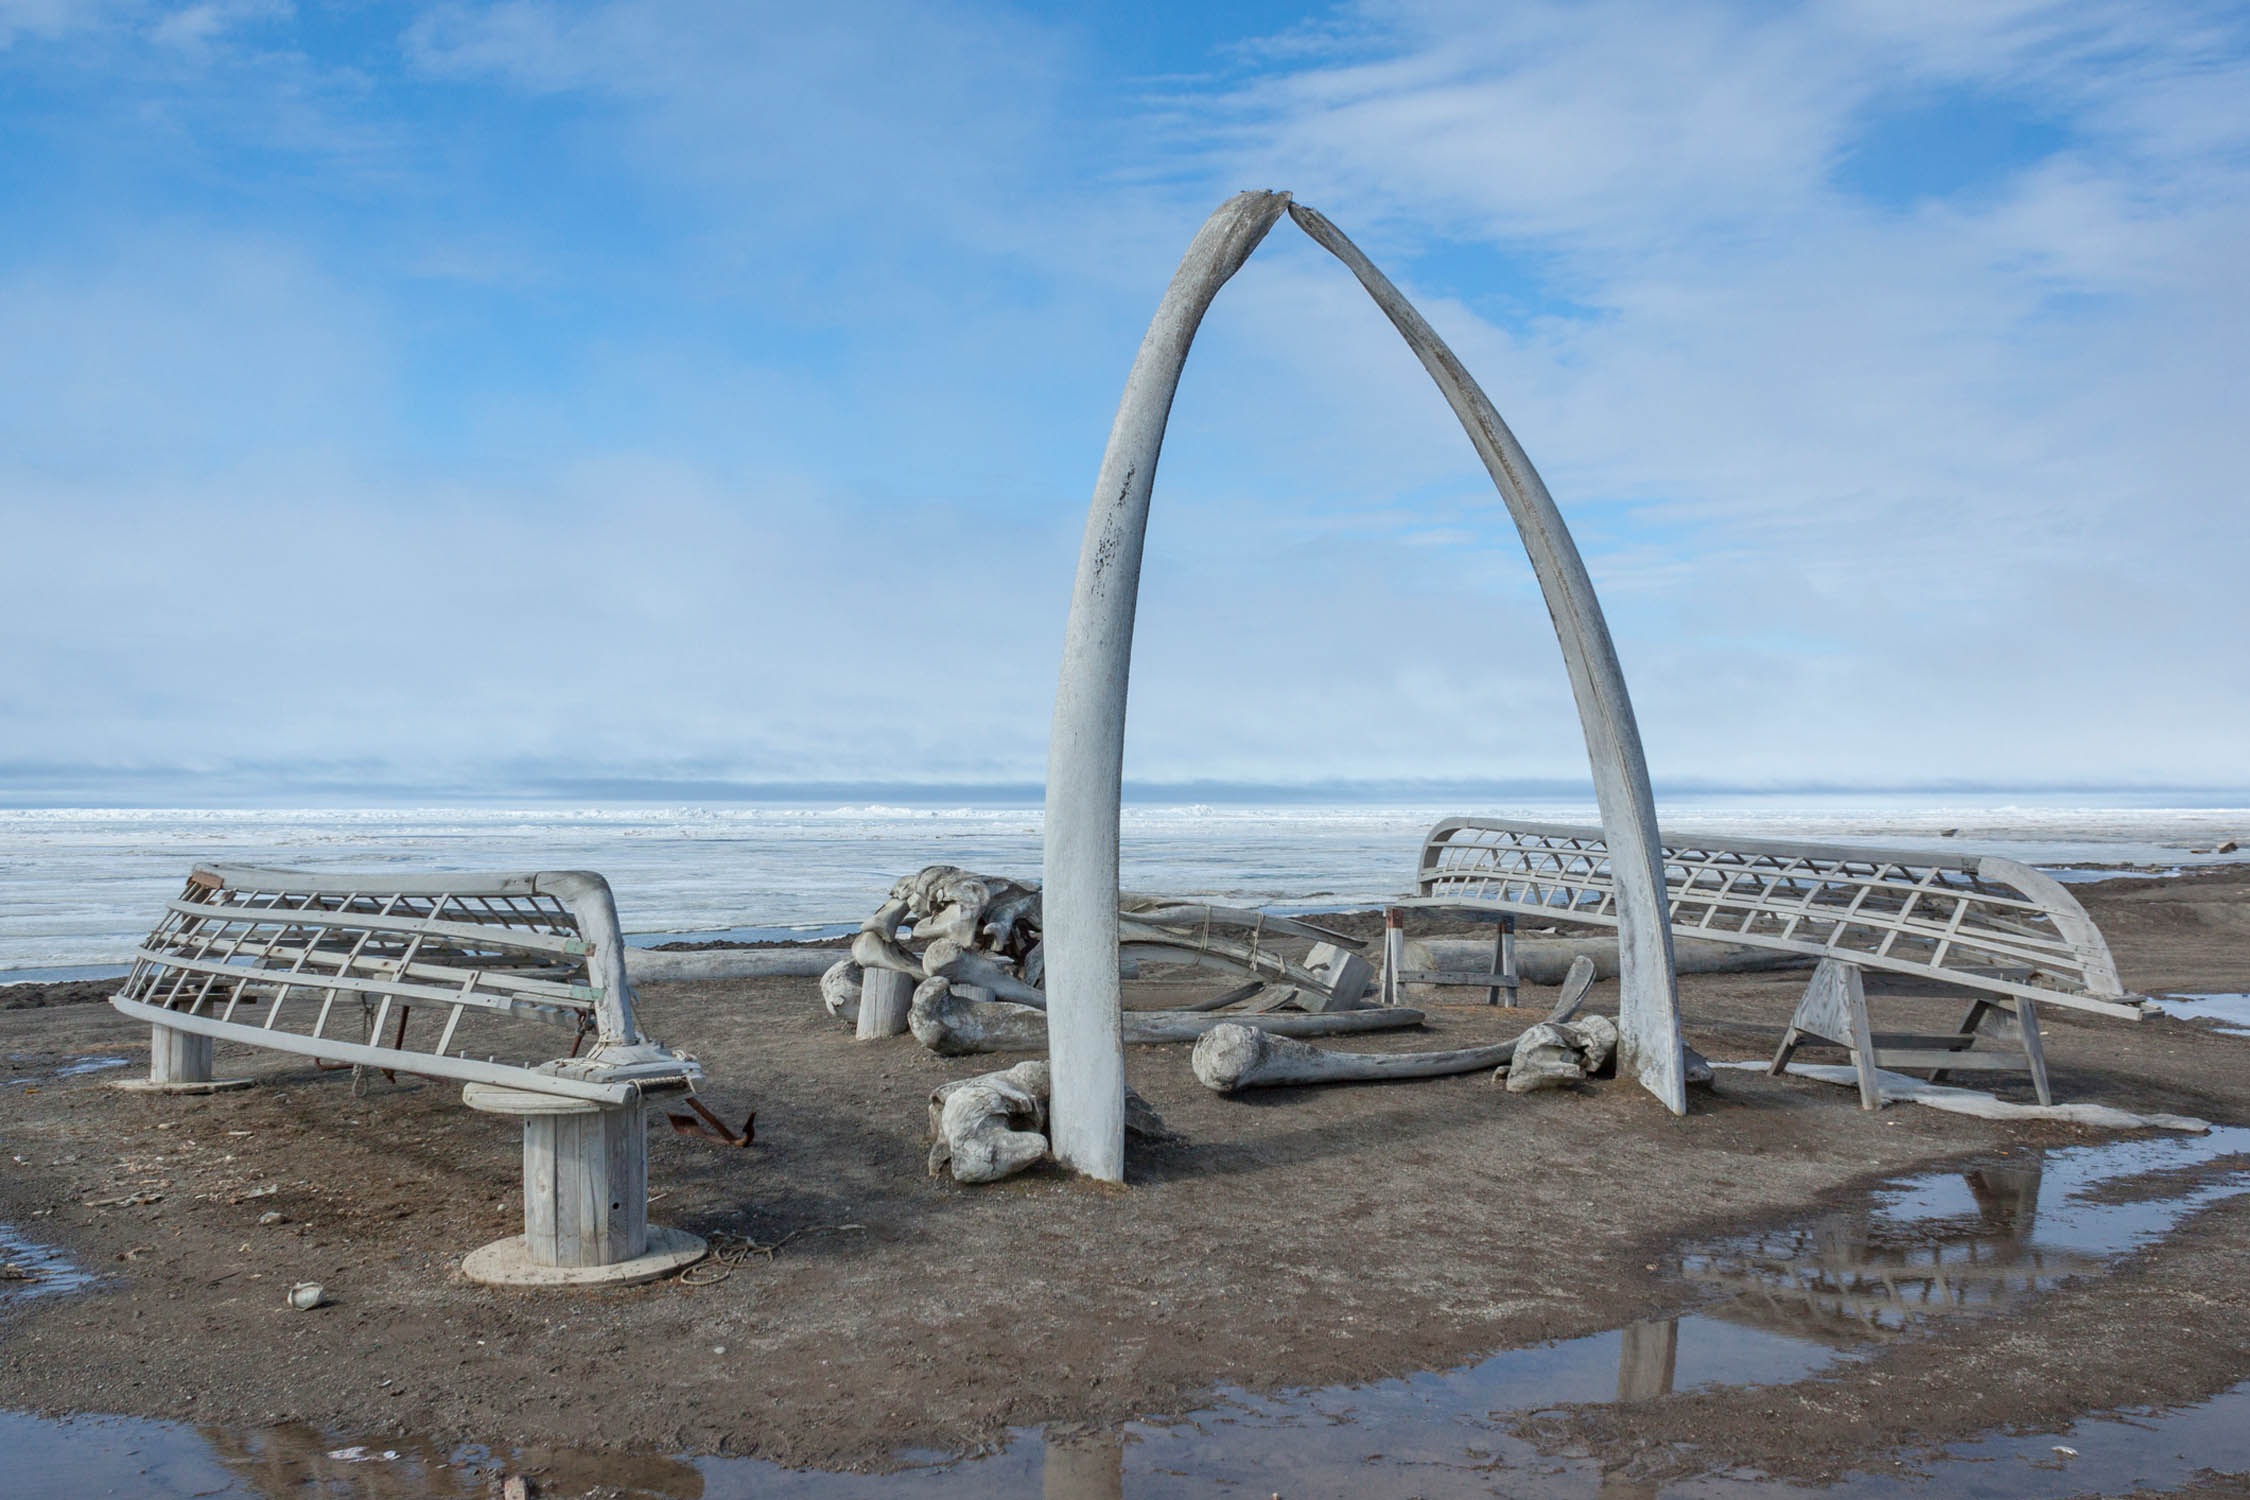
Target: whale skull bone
<point x="1234" y="1057"/>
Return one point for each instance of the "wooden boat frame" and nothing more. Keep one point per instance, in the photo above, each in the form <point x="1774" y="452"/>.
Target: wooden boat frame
<point x="285" y="961"/>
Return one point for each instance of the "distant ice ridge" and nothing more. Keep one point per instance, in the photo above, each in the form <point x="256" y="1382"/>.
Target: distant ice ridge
<point x="80" y="886"/>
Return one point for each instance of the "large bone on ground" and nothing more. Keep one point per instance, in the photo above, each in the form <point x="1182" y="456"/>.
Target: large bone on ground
<point x="1231" y="1058"/>
<point x="1235" y="1056"/>
<point x="1596" y="1041"/>
<point x="1547" y="960"/>
<point x="1154" y="1026"/>
<point x="1564" y="1052"/>
<point x="978" y="1125"/>
<point x="839" y="991"/>
<point x="1547" y="1057"/>
<point x="991" y="1126"/>
<point x="953" y="1025"/>
<point x="966" y="966"/>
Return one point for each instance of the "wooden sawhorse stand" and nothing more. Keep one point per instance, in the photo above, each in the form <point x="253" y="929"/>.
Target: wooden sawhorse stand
<point x="1834" y="1013"/>
<point x="1501" y="986"/>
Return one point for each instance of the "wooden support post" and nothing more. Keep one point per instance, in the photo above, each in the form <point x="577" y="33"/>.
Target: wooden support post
<point x="2012" y="1021"/>
<point x="585" y="1196"/>
<point x="1394" y="955"/>
<point x="2034" y="1051"/>
<point x="1834" y="1010"/>
<point x="1503" y="964"/>
<point x="885" y="996"/>
<point x="178" y="1056"/>
<point x="585" y="1186"/>
<point x="179" y="1062"/>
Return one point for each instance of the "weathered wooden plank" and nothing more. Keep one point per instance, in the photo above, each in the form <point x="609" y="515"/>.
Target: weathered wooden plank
<point x="468" y="1070"/>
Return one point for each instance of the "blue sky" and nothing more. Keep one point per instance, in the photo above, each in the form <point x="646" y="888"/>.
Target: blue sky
<point x="497" y="398"/>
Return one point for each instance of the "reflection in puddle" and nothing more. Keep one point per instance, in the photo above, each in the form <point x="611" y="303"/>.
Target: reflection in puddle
<point x="29" y="1269"/>
<point x="2229" y="1015"/>
<point x="1782" y="1305"/>
<point x="1851" y="1280"/>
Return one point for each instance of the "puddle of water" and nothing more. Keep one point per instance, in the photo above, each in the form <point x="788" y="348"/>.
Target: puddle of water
<point x="1782" y="1305"/>
<point x="68" y="1070"/>
<point x="2146" y="1450"/>
<point x="2229" y="1014"/>
<point x="29" y="1269"/>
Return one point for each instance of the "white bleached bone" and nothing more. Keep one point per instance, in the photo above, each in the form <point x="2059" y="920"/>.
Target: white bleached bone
<point x="1651" y="1047"/>
<point x="877" y="945"/>
<point x="1551" y="1055"/>
<point x="839" y="991"/>
<point x="1213" y="949"/>
<point x="949" y="960"/>
<point x="953" y="1025"/>
<point x="991" y="1126"/>
<point x="1086" y="747"/>
<point x="1234" y="1057"/>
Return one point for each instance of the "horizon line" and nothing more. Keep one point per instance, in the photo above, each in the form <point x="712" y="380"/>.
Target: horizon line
<point x="92" y="794"/>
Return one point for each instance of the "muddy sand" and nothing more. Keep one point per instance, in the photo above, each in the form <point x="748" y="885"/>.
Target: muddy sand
<point x="1290" y="1238"/>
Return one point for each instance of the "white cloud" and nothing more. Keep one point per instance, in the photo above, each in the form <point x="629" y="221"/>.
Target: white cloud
<point x="1908" y="492"/>
<point x="1878" y="490"/>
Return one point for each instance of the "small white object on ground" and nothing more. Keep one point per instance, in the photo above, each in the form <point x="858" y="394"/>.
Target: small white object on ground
<point x="1897" y="1086"/>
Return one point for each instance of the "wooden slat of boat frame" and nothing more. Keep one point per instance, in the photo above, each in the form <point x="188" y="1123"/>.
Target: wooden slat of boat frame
<point x="543" y="947"/>
<point x="1852" y="904"/>
<point x="280" y="980"/>
<point x="206" y="913"/>
<point x="500" y="976"/>
<point x="311" y="882"/>
<point x="429" y="1064"/>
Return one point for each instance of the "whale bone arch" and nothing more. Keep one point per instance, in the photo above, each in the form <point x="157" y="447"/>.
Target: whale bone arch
<point x="1086" y="751"/>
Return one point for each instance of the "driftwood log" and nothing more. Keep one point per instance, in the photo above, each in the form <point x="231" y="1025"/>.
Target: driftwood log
<point x="1233" y="1057"/>
<point x="954" y="1025"/>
